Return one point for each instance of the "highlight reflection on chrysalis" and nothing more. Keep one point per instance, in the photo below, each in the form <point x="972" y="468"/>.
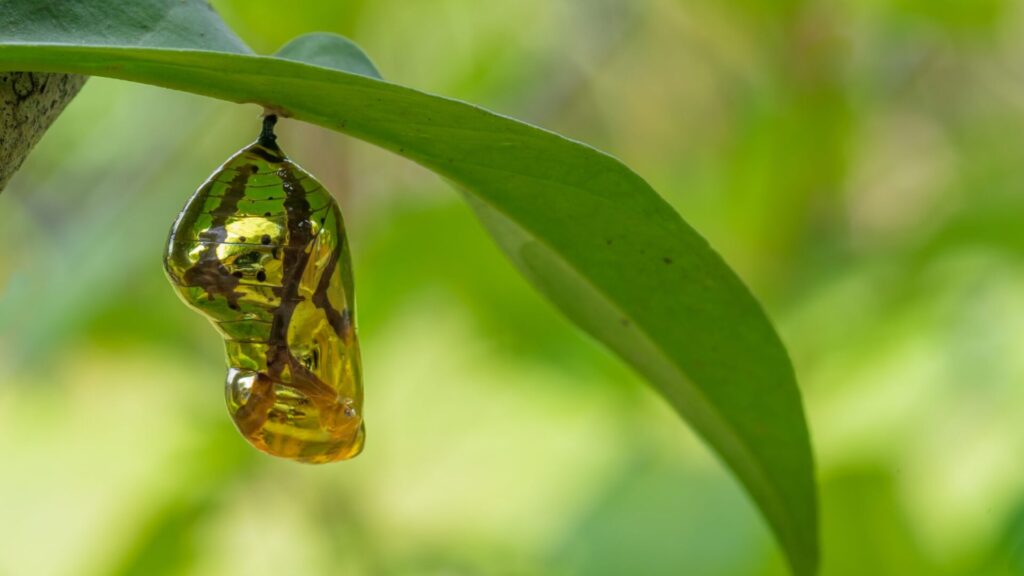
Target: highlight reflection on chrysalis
<point x="260" y="250"/>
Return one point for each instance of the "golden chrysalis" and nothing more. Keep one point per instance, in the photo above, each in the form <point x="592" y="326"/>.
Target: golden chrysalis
<point x="260" y="250"/>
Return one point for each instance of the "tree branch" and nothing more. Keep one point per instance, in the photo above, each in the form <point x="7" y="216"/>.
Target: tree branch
<point x="29" y="103"/>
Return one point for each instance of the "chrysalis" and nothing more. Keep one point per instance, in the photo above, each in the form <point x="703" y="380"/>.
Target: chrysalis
<point x="260" y="250"/>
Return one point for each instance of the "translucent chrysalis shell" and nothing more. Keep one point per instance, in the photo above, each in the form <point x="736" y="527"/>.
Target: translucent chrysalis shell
<point x="260" y="250"/>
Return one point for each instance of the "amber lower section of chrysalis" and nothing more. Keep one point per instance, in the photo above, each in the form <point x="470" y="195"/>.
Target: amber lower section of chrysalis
<point x="260" y="250"/>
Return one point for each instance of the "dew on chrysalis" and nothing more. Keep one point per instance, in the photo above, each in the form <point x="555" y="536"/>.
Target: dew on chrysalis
<point x="260" y="250"/>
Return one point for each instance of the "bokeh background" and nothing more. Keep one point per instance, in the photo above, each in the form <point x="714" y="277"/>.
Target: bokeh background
<point x="858" y="162"/>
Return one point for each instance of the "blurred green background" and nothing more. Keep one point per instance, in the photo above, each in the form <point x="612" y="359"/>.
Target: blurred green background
<point x="859" y="164"/>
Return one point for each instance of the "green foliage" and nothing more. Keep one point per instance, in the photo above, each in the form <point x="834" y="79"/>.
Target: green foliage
<point x="584" y="229"/>
<point x="144" y="23"/>
<point x="329" y="51"/>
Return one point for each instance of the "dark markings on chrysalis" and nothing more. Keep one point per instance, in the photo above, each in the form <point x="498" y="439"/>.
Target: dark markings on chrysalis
<point x="260" y="250"/>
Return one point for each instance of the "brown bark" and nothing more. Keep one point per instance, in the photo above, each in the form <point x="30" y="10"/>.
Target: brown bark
<point x="29" y="103"/>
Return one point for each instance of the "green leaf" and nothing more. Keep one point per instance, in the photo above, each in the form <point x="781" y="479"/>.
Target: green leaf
<point x="589" y="233"/>
<point x="188" y="24"/>
<point x="329" y="51"/>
